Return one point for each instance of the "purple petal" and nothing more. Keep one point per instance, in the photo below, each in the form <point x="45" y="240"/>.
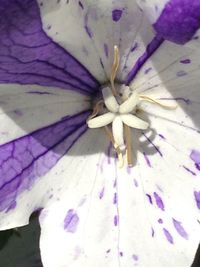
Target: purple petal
<point x="179" y="20"/>
<point x="29" y="56"/>
<point x="32" y="156"/>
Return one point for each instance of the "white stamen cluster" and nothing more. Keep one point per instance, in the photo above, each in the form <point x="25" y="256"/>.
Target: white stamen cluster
<point x="118" y="115"/>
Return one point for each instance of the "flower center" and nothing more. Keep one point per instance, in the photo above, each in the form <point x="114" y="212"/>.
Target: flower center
<point x="116" y="112"/>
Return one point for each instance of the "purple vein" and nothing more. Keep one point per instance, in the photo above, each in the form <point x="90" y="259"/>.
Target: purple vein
<point x="151" y="48"/>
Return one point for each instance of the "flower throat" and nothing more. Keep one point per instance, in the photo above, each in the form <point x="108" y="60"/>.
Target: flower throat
<point x="116" y="112"/>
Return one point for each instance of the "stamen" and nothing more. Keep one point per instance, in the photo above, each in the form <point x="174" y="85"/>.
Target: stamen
<point x="101" y="120"/>
<point x="109" y="100"/>
<point x="134" y="122"/>
<point x="129" y="105"/>
<point x="128" y="139"/>
<point x="119" y="153"/>
<point x="149" y="99"/>
<point x="115" y="67"/>
<point x="118" y="132"/>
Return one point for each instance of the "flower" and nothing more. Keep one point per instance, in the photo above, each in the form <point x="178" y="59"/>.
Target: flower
<point x="55" y="59"/>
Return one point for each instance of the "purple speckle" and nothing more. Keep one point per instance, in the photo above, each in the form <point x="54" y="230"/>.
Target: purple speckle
<point x="101" y="62"/>
<point x="108" y="251"/>
<point x="179" y="228"/>
<point x="109" y="153"/>
<point x="115" y="198"/>
<point x="149" y="198"/>
<point x="185" y="61"/>
<point x="105" y="46"/>
<point x="168" y="236"/>
<point x="116" y="14"/>
<point x="197" y="198"/>
<point x="18" y="112"/>
<point x="159" y="201"/>
<point x="39" y="93"/>
<point x="147" y="160"/>
<point x="115" y="183"/>
<point x="134" y="47"/>
<point x="135" y="257"/>
<point x="181" y="73"/>
<point x="87" y="28"/>
<point x="147" y="70"/>
<point x="128" y="169"/>
<point x="196" y="37"/>
<point x="115" y="220"/>
<point x="121" y="254"/>
<point x="101" y="194"/>
<point x="50" y="196"/>
<point x="152" y="232"/>
<point x="81" y="5"/>
<point x="195" y="156"/>
<point x="135" y="182"/>
<point x="162" y="136"/>
<point x="188" y="170"/>
<point x="160" y="221"/>
<point x="71" y="221"/>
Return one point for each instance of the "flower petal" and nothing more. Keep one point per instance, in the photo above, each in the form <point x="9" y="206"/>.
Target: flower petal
<point x="29" y="56"/>
<point x="29" y="157"/>
<point x="98" y="26"/>
<point x="175" y="20"/>
<point x="124" y="217"/>
<point x="54" y="119"/>
<point x="172" y="77"/>
<point x="24" y="109"/>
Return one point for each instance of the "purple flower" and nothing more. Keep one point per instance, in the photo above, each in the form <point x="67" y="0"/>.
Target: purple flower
<point x="125" y="192"/>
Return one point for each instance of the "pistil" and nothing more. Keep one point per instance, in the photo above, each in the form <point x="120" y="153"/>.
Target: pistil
<point x="115" y="67"/>
<point x="119" y="112"/>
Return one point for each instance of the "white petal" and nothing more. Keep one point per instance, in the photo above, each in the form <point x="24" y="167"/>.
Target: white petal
<point x="98" y="25"/>
<point x="118" y="132"/>
<point x="101" y="120"/>
<point x="109" y="100"/>
<point x="87" y="220"/>
<point x="26" y="108"/>
<point x="129" y="105"/>
<point x="134" y="122"/>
